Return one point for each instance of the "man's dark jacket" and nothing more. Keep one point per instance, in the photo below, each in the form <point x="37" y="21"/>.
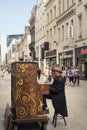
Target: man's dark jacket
<point x="57" y="91"/>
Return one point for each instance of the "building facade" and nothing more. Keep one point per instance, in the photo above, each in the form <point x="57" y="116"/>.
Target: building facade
<point x="40" y="38"/>
<point x="51" y="33"/>
<point x="32" y="33"/>
<point x="81" y="36"/>
<point x="11" y="48"/>
<point x="66" y="32"/>
<point x="24" y="51"/>
<point x="18" y="48"/>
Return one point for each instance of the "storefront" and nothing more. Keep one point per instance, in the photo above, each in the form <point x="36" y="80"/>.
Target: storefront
<point x="50" y="58"/>
<point x="81" y="60"/>
<point x="66" y="58"/>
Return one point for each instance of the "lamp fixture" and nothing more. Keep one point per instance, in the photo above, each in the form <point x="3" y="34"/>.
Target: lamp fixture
<point x="56" y="42"/>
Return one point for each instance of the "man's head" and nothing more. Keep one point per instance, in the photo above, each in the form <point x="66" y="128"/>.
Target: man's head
<point x="56" y="70"/>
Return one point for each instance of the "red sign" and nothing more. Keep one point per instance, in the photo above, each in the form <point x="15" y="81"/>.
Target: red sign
<point x="51" y="53"/>
<point x="83" y="52"/>
<point x="46" y="45"/>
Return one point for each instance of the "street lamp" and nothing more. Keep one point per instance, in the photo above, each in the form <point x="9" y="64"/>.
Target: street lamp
<point x="56" y="51"/>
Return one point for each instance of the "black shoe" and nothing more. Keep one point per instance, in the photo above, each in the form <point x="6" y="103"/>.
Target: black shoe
<point x="46" y="111"/>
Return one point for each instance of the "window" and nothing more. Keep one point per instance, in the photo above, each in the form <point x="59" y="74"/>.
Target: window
<point x="54" y="30"/>
<point x="59" y="7"/>
<point x="66" y="30"/>
<point x="47" y="34"/>
<point x="80" y="26"/>
<point x="72" y="1"/>
<point x="58" y="34"/>
<point x="63" y="5"/>
<point x="47" y="18"/>
<point x="67" y="3"/>
<point x="51" y="32"/>
<point x="54" y="11"/>
<point x="70" y="31"/>
<point x="62" y="32"/>
<point x="51" y="15"/>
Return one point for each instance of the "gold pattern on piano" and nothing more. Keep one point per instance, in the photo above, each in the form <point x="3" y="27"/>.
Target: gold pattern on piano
<point x="26" y="99"/>
<point x="40" y="104"/>
<point x="23" y="96"/>
<point x="28" y="93"/>
<point x="22" y="67"/>
<point x="33" y="110"/>
<point x="22" y="112"/>
<point x="20" y="82"/>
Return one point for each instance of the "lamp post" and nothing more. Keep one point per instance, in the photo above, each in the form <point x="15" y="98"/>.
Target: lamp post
<point x="56" y="52"/>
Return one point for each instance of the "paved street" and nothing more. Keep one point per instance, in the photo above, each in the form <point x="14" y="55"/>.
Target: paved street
<point x="76" y="104"/>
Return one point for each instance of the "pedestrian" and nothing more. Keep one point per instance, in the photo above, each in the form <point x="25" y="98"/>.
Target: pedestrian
<point x="38" y="73"/>
<point x="50" y="75"/>
<point x="64" y="73"/>
<point x="46" y="73"/>
<point x="72" y="72"/>
<point x="57" y="93"/>
<point x="77" y="76"/>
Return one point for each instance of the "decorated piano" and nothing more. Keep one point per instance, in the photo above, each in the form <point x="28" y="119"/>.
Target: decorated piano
<point x="27" y="97"/>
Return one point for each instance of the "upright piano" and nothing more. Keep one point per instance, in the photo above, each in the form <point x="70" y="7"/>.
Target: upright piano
<point x="27" y="96"/>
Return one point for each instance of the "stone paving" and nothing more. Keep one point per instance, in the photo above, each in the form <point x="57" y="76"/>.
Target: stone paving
<point x="76" y="103"/>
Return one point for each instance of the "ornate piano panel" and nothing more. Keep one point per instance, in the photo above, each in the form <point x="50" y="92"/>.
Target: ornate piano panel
<point x="26" y="93"/>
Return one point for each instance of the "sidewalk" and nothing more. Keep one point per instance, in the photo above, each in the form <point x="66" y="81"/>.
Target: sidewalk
<point x="77" y="109"/>
<point x="76" y="98"/>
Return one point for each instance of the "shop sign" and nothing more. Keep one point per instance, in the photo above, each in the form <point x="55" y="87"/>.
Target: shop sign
<point x="83" y="52"/>
<point x="46" y="46"/>
<point x="51" y="53"/>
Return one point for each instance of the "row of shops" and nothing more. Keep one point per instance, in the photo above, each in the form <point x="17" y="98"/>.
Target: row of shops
<point x="66" y="59"/>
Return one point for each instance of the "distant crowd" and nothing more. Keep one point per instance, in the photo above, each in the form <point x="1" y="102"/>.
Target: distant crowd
<point x="4" y="71"/>
<point x="71" y="74"/>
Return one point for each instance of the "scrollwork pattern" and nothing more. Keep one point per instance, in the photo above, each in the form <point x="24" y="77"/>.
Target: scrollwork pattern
<point x="40" y="104"/>
<point x="21" y="111"/>
<point x="33" y="110"/>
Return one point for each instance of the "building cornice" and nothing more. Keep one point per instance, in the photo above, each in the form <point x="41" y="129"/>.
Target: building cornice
<point x="69" y="12"/>
<point x="32" y="18"/>
<point x="47" y="3"/>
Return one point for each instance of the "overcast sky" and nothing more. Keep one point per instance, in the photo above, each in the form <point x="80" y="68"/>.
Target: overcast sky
<point x="14" y="15"/>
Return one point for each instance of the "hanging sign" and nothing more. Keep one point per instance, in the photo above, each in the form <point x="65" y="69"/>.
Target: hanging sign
<point x="83" y="52"/>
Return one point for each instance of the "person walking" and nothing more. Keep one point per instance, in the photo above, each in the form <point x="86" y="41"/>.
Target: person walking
<point x="77" y="76"/>
<point x="72" y="72"/>
<point x="57" y="93"/>
<point x="38" y="73"/>
<point x="50" y="75"/>
<point x="46" y="71"/>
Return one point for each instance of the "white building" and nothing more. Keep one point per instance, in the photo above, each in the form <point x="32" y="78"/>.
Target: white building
<point x="40" y="32"/>
<point x="2" y="48"/>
